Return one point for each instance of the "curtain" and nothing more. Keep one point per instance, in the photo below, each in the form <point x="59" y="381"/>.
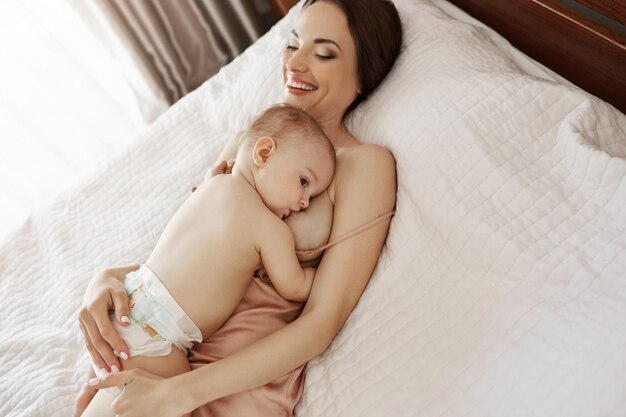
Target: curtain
<point x="175" y="45"/>
<point x="64" y="104"/>
<point x="81" y="77"/>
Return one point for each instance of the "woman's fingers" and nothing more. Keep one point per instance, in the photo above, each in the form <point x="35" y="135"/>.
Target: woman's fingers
<point x="122" y="315"/>
<point x="101" y="337"/>
<point x="96" y="358"/>
<point x="111" y="340"/>
<point x="217" y="169"/>
<point x="119" y="379"/>
<point x="229" y="166"/>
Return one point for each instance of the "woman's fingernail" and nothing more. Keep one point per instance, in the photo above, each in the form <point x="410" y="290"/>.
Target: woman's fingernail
<point x="124" y="319"/>
<point x="103" y="372"/>
<point x="123" y="355"/>
<point x="94" y="381"/>
<point x="114" y="369"/>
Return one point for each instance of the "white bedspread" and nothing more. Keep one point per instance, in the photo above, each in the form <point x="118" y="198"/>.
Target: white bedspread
<point x="501" y="290"/>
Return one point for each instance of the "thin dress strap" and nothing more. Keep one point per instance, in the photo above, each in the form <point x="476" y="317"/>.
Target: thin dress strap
<point x="348" y="235"/>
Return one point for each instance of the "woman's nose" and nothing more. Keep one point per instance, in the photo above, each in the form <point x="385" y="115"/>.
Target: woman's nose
<point x="296" y="62"/>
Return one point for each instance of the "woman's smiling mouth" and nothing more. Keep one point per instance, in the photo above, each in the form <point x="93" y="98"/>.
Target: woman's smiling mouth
<point x="298" y="86"/>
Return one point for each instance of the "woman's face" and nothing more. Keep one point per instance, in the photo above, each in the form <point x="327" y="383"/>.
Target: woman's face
<point x="319" y="63"/>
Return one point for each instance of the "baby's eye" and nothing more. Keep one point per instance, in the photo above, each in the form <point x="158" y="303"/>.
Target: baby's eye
<point x="304" y="182"/>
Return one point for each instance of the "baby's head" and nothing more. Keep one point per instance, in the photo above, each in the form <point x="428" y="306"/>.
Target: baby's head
<point x="293" y="159"/>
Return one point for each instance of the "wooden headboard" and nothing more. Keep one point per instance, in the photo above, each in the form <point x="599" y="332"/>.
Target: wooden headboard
<point x="584" y="41"/>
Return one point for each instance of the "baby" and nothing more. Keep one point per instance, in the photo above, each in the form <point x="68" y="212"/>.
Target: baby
<point x="231" y="226"/>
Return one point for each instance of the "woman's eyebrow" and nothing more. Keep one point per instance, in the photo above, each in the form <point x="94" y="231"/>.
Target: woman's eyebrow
<point x="322" y="40"/>
<point x="319" y="40"/>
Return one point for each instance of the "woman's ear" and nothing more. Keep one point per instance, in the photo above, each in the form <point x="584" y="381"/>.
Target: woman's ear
<point x="263" y="148"/>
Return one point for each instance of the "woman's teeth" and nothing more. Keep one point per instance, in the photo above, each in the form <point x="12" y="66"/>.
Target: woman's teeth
<point x="301" y="86"/>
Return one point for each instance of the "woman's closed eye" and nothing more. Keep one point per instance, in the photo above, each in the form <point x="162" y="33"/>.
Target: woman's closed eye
<point x="322" y="56"/>
<point x="291" y="47"/>
<point x="325" y="57"/>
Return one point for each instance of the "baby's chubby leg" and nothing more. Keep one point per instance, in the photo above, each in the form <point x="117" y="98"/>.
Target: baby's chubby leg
<point x="165" y="366"/>
<point x="173" y="364"/>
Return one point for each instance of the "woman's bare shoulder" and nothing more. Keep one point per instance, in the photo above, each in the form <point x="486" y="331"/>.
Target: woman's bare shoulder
<point x="368" y="156"/>
<point x="367" y="148"/>
<point x="365" y="178"/>
<point x="365" y="162"/>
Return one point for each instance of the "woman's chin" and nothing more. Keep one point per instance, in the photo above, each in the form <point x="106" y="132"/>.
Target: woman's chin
<point x="296" y="101"/>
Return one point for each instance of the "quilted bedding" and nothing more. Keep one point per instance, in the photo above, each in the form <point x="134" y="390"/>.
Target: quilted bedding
<point x="501" y="289"/>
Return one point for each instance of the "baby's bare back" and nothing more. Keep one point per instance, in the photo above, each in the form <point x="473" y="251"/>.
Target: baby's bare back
<point x="208" y="251"/>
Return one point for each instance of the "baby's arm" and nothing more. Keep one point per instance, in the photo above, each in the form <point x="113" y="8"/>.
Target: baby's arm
<point x="278" y="255"/>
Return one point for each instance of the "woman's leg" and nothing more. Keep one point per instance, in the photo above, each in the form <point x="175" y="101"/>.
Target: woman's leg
<point x="85" y="395"/>
<point x="100" y="405"/>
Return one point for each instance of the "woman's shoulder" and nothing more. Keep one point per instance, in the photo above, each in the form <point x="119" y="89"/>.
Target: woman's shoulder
<point x="364" y="186"/>
<point x="364" y="169"/>
<point x="370" y="148"/>
<point x="366" y="156"/>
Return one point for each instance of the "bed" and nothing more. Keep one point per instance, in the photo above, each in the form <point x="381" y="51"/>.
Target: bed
<point x="500" y="290"/>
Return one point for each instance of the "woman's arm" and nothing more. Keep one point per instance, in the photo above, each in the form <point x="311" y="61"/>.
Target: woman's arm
<point x="364" y="187"/>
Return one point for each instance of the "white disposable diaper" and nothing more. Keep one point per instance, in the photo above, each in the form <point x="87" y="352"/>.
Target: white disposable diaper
<point x="156" y="320"/>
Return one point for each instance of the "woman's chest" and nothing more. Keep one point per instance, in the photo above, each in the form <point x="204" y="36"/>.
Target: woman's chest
<point x="311" y="227"/>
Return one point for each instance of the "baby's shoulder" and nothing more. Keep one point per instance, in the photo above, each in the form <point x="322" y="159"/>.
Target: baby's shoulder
<point x="248" y="208"/>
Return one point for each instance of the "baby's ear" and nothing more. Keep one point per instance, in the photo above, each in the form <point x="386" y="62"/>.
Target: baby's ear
<point x="262" y="150"/>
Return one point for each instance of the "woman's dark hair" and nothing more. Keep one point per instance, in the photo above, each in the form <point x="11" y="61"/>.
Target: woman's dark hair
<point x="377" y="33"/>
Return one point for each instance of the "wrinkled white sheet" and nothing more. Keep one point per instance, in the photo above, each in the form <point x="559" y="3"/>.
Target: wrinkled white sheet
<point x="500" y="291"/>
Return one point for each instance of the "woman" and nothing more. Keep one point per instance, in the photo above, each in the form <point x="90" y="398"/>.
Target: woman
<point x="337" y="54"/>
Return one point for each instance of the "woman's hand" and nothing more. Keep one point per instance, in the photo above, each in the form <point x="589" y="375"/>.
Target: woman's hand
<point x="143" y="394"/>
<point x="105" y="292"/>
<point x="223" y="167"/>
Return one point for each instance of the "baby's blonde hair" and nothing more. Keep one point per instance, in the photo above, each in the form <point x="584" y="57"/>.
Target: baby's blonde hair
<point x="290" y="127"/>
